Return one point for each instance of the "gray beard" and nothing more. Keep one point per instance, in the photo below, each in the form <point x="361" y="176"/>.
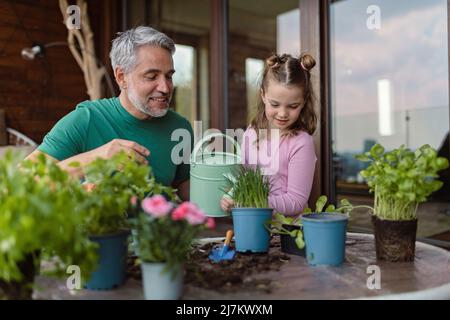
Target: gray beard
<point x="142" y="108"/>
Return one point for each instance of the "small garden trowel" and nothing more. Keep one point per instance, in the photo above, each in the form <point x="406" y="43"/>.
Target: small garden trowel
<point x="223" y="252"/>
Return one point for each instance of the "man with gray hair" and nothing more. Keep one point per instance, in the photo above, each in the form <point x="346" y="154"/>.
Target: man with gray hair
<point x="138" y="122"/>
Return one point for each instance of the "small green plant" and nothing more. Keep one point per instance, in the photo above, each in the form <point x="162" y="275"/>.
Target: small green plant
<point x="248" y="188"/>
<point x="401" y="179"/>
<point x="40" y="217"/>
<point x="115" y="183"/>
<point x="276" y="225"/>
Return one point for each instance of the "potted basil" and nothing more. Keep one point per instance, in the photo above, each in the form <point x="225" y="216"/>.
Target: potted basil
<point x="40" y="218"/>
<point x="400" y="179"/>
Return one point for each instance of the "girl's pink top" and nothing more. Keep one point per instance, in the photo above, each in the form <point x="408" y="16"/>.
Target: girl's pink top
<point x="290" y="168"/>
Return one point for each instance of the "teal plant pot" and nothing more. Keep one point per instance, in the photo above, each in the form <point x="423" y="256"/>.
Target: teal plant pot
<point x="111" y="270"/>
<point x="325" y="235"/>
<point x="159" y="284"/>
<point x="250" y="233"/>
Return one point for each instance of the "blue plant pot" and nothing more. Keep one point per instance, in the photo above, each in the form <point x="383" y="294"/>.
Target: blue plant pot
<point x="325" y="238"/>
<point x="250" y="233"/>
<point x="111" y="270"/>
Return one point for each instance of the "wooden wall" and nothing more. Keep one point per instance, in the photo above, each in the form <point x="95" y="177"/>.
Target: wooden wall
<point x="36" y="94"/>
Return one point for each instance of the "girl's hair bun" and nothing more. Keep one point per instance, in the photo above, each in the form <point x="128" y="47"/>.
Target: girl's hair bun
<point x="307" y="62"/>
<point x="273" y="61"/>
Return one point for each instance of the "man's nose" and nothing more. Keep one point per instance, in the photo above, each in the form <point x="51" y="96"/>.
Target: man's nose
<point x="164" y="86"/>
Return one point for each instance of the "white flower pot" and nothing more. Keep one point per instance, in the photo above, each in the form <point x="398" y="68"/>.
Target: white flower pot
<point x="159" y="285"/>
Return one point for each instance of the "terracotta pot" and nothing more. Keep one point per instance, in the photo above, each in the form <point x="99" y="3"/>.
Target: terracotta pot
<point x="395" y="241"/>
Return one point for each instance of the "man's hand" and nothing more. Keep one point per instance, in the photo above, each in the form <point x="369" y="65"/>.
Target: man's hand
<point x="105" y="151"/>
<point x="131" y="148"/>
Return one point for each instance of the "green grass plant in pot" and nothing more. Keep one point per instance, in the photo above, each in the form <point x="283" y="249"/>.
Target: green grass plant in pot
<point x="165" y="232"/>
<point x="400" y="179"/>
<point x="111" y="184"/>
<point x="40" y="218"/>
<point x="249" y="189"/>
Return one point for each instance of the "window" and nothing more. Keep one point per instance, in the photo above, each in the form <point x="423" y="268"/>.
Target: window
<point x="389" y="84"/>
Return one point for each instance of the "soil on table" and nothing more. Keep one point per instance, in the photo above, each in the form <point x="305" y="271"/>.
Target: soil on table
<point x="244" y="272"/>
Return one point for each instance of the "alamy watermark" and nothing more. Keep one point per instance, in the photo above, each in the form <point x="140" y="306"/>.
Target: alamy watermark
<point x="373" y="21"/>
<point x="73" y="20"/>
<point x="373" y="281"/>
<point x="74" y="280"/>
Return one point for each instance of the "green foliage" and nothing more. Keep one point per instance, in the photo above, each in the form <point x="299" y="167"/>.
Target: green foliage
<point x="117" y="180"/>
<point x="249" y="188"/>
<point x="401" y="179"/>
<point x="39" y="213"/>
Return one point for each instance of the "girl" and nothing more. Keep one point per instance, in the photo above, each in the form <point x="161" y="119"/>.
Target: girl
<point x="286" y="105"/>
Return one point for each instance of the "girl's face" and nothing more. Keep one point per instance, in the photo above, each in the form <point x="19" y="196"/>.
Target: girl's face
<point x="283" y="105"/>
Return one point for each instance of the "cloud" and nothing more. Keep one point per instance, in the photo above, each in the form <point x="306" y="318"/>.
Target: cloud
<point x="409" y="49"/>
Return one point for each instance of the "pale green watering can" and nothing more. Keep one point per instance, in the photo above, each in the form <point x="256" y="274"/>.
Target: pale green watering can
<point x="208" y="171"/>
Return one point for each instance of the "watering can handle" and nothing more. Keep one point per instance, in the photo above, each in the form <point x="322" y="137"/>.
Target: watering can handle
<point x="200" y="143"/>
<point x="228" y="237"/>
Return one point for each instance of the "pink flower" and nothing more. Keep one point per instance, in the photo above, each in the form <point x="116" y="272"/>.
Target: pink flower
<point x="189" y="212"/>
<point x="89" y="187"/>
<point x="210" y="223"/>
<point x="156" y="206"/>
<point x="133" y="200"/>
<point x="180" y="212"/>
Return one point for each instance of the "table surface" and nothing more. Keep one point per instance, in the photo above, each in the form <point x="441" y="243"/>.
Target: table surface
<point x="428" y="277"/>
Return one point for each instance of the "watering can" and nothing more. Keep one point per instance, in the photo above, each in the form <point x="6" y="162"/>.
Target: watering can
<point x="224" y="252"/>
<point x="208" y="172"/>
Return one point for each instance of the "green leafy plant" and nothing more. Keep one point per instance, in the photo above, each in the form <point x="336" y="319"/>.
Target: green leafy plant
<point x="401" y="179"/>
<point x="248" y="188"/>
<point x="112" y="184"/>
<point x="275" y="226"/>
<point x="165" y="230"/>
<point x="40" y="217"/>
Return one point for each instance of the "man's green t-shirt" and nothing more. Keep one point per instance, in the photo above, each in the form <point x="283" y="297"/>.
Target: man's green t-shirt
<point x="95" y="123"/>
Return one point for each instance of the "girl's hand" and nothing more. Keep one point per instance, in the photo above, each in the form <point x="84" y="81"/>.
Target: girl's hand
<point x="226" y="204"/>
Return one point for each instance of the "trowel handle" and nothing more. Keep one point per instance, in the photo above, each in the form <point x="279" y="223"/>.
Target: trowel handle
<point x="228" y="237"/>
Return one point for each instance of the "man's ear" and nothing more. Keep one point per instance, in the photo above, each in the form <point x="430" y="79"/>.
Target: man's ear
<point x="119" y="74"/>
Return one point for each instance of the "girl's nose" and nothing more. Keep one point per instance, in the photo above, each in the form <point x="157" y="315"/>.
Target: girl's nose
<point x="282" y="112"/>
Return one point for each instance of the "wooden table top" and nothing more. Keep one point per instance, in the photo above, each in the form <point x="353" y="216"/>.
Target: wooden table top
<point x="428" y="277"/>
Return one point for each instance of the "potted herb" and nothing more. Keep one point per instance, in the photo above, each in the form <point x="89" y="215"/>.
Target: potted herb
<point x="164" y="234"/>
<point x="291" y="230"/>
<point x="325" y="232"/>
<point x="39" y="219"/>
<point x="249" y="189"/>
<point x="400" y="179"/>
<point x="111" y="184"/>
